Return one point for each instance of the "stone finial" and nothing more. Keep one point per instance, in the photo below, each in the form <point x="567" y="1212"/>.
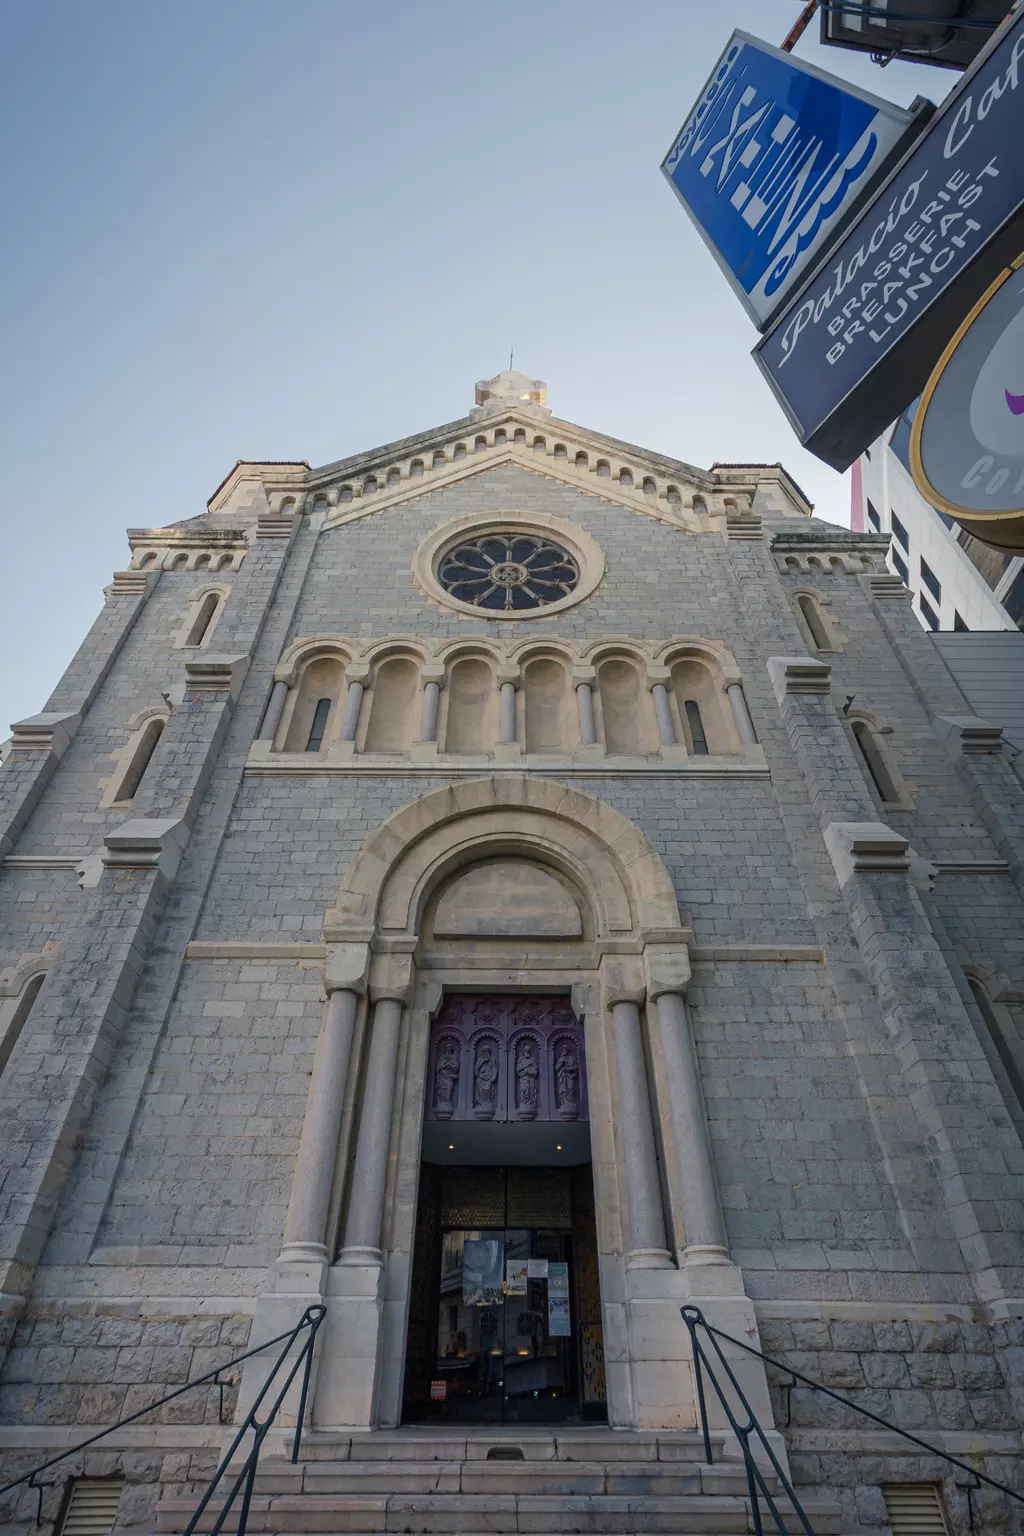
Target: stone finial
<point x="510" y="387"/>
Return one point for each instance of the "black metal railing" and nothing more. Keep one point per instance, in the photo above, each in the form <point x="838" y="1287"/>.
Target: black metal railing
<point x="750" y="1430"/>
<point x="259" y="1420"/>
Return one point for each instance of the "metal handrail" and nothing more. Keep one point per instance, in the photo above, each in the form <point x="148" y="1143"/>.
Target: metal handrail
<point x="311" y="1320"/>
<point x="694" y="1318"/>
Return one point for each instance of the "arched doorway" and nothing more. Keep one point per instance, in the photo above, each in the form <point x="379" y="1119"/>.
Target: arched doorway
<point x="510" y="887"/>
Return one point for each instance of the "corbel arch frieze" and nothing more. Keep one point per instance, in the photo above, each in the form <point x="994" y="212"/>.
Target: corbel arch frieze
<point x="616" y="869"/>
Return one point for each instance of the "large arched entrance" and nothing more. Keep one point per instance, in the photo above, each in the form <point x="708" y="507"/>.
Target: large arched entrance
<point x="477" y="900"/>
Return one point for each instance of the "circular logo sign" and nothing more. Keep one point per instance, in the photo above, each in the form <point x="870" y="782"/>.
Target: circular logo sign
<point x="967" y="442"/>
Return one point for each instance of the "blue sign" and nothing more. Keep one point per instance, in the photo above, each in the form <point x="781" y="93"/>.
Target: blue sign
<point x="770" y="159"/>
<point x="860" y="339"/>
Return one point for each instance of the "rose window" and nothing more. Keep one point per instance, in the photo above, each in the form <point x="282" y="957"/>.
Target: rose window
<point x="508" y="572"/>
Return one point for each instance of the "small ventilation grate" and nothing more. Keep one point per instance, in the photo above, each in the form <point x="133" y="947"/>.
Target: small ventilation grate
<point x="92" y="1507"/>
<point x="914" y="1509"/>
<point x="505" y="1453"/>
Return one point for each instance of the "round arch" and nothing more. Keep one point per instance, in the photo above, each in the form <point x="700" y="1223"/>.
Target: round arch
<point x="406" y="857"/>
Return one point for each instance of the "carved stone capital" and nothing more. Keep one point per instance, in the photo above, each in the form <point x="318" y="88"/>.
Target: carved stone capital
<point x="866" y="848"/>
<point x="357" y="672"/>
<point x="391" y="978"/>
<point x="584" y="675"/>
<point x="432" y="672"/>
<point x="623" y="979"/>
<point x="798" y="675"/>
<point x="655" y="674"/>
<point x="667" y="968"/>
<point x="346" y="968"/>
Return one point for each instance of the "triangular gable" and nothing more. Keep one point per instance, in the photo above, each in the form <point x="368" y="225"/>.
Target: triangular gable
<point x="440" y="477"/>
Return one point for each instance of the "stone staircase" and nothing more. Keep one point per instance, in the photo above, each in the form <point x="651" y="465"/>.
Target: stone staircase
<point x="535" y="1480"/>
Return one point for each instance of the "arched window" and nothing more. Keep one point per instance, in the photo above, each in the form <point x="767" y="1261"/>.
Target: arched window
<point x="345" y="493"/>
<point x="674" y="499"/>
<point x="547" y="710"/>
<point x="439" y="460"/>
<point x="818" y="626"/>
<point x="479" y="445"/>
<point x="625" y="476"/>
<point x="147" y="560"/>
<point x="560" y="451"/>
<point x="539" y="445"/>
<point x="322" y="678"/>
<point x="460" y="451"/>
<point x="140" y="759"/>
<point x="500" y="437"/>
<point x="394" y="475"/>
<point x="581" y="460"/>
<point x="369" y="485"/>
<point x="321" y="714"/>
<point x="200" y="626"/>
<point x="707" y="727"/>
<point x="320" y="505"/>
<point x="471" y="698"/>
<point x="415" y="468"/>
<point x="14" y="1013"/>
<point x="392" y="711"/>
<point x="603" y="467"/>
<point x="623" y="703"/>
<point x="997" y="1033"/>
<point x="519" y="435"/>
<point x="650" y="486"/>
<point x="875" y="761"/>
<point x="695" y="726"/>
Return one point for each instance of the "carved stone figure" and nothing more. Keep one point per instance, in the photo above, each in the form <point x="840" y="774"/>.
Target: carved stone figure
<point x="485" y="1079"/>
<point x="567" y="1080"/>
<point x="446" y="1078"/>
<point x="527" y="1078"/>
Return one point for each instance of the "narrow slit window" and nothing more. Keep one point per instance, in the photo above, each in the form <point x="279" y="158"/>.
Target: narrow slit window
<point x="900" y="567"/>
<point x="815" y="623"/>
<point x="319" y="726"/>
<point x="873" y="517"/>
<point x="930" y="580"/>
<point x="931" y="618"/>
<point x="874" y="761"/>
<point x="141" y="760"/>
<point x="900" y="532"/>
<point x="203" y="619"/>
<point x="696" y="725"/>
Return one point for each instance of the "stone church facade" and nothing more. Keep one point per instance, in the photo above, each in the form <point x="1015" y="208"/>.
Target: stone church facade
<point x="506" y="886"/>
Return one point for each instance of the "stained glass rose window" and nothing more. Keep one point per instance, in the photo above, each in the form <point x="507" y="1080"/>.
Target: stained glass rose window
<point x="508" y="572"/>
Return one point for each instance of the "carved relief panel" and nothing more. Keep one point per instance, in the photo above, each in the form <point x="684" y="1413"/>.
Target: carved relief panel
<point x="507" y="1058"/>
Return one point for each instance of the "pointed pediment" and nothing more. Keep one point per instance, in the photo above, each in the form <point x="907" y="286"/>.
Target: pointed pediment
<point x="678" y="513"/>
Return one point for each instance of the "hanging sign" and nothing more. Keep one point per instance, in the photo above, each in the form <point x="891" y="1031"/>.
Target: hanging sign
<point x="771" y="159"/>
<point x="967" y="442"/>
<point x="860" y="339"/>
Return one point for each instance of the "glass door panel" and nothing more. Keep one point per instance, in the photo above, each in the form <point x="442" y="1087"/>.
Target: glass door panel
<point x="506" y="1342"/>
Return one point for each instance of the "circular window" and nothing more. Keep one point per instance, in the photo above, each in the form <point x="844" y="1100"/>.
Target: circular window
<point x="508" y="565"/>
<point x="508" y="572"/>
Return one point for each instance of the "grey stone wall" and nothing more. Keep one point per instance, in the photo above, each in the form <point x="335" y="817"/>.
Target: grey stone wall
<point x="181" y="1179"/>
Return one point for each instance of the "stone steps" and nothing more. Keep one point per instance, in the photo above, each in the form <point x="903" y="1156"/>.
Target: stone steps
<point x="438" y="1484"/>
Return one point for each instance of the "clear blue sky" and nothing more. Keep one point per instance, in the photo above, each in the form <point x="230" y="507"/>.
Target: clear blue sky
<point x="294" y="229"/>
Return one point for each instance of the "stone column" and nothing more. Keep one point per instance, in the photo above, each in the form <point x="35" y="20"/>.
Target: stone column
<point x="585" y="708"/>
<point x="389" y="992"/>
<point x="508" y="714"/>
<point x="647" y="1245"/>
<point x="666" y="729"/>
<point x="741" y="714"/>
<point x="356" y="681"/>
<point x="275" y="709"/>
<point x="305" y="1228"/>
<point x="431" y="702"/>
<point x="668" y="971"/>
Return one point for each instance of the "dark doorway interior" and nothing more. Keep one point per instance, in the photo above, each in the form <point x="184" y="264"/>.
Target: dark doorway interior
<point x="505" y="1317"/>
